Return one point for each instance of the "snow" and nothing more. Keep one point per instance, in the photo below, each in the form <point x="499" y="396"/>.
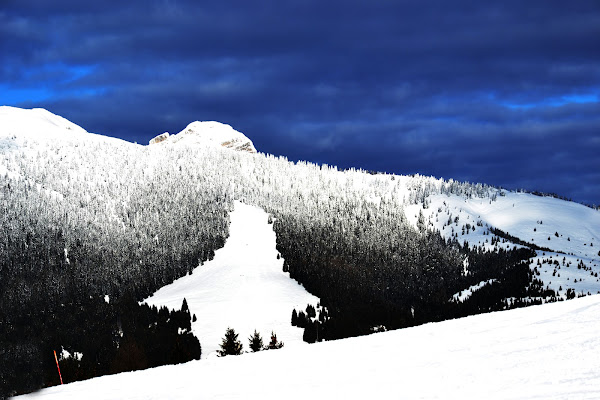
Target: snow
<point x="243" y="287"/>
<point x="208" y="133"/>
<point x="533" y="219"/>
<point x="32" y="130"/>
<point x="64" y="354"/>
<point x="551" y="351"/>
<point x="34" y="122"/>
<point x="567" y="274"/>
<point x="465" y="294"/>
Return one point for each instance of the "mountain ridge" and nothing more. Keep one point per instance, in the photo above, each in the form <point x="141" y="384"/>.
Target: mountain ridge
<point x="41" y="124"/>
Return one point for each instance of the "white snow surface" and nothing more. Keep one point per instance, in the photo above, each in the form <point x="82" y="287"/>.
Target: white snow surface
<point x="37" y="121"/>
<point x="465" y="294"/>
<point x="33" y="129"/>
<point x="243" y="287"/>
<point x="551" y="351"/>
<point x="208" y="133"/>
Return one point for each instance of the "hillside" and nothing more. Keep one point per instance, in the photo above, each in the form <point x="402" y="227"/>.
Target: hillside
<point x="567" y="233"/>
<point x="544" y="352"/>
<point x="95" y="225"/>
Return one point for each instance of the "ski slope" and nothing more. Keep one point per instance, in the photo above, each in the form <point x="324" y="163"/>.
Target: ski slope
<point x="550" y="351"/>
<point x="243" y="287"/>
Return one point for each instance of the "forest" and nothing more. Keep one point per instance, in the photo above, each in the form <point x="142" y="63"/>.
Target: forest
<point x="91" y="228"/>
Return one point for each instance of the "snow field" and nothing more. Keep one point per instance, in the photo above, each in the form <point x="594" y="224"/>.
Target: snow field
<point x="243" y="287"/>
<point x="532" y="219"/>
<point x="550" y="351"/>
<point x="575" y="273"/>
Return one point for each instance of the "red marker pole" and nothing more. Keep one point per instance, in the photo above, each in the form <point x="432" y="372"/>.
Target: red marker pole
<point x="59" y="375"/>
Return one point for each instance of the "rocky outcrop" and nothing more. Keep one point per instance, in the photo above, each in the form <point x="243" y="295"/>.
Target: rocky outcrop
<point x="160" y="138"/>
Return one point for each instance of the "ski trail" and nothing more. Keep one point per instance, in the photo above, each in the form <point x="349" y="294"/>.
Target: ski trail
<point x="243" y="287"/>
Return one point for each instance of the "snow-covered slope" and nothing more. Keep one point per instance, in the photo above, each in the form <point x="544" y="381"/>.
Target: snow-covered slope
<point x="567" y="230"/>
<point x="243" y="287"/>
<point x="550" y="351"/>
<point x="27" y="128"/>
<point x="570" y="231"/>
<point x="34" y="122"/>
<point x="208" y="133"/>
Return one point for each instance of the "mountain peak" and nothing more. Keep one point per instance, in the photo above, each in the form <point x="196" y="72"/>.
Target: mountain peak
<point x="34" y="122"/>
<point x="211" y="133"/>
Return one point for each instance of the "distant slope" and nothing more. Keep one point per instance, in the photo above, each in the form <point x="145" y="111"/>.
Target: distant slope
<point x="35" y="122"/>
<point x="540" y="352"/>
<point x="566" y="230"/>
<point x="243" y="287"/>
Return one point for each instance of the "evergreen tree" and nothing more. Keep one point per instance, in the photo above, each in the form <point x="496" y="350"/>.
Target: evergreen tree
<point x="274" y="343"/>
<point x="294" y="318"/>
<point x="230" y="346"/>
<point x="256" y="342"/>
<point x="311" y="332"/>
<point x="421" y="222"/>
<point x="301" y="321"/>
<point x="184" y="306"/>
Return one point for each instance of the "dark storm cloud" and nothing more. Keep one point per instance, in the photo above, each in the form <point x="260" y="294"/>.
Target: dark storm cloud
<point x="504" y="93"/>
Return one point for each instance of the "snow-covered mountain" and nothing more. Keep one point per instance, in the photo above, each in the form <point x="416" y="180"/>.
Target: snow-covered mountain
<point x="91" y="221"/>
<point x="540" y="352"/>
<point x="35" y="122"/>
<point x="208" y="133"/>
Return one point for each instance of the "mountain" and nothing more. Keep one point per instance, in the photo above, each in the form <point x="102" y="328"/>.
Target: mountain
<point x="36" y="122"/>
<point x="208" y="133"/>
<point x="548" y="351"/>
<point x="94" y="226"/>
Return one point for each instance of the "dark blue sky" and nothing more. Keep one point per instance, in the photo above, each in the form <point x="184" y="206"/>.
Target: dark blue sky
<point x="507" y="93"/>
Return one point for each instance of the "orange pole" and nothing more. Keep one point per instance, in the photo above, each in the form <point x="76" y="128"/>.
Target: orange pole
<point x="59" y="375"/>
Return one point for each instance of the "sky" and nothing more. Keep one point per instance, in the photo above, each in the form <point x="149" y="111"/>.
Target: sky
<point x="504" y="93"/>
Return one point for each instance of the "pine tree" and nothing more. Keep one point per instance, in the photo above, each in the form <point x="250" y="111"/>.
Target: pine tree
<point x="294" y="318"/>
<point x="274" y="343"/>
<point x="230" y="345"/>
<point x="301" y="321"/>
<point x="311" y="332"/>
<point x="256" y="342"/>
<point x="421" y="222"/>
